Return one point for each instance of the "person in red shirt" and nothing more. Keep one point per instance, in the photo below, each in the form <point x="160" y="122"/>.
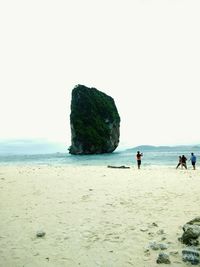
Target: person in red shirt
<point x="139" y="158"/>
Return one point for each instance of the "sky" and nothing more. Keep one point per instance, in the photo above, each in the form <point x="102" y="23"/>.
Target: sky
<point x="145" y="54"/>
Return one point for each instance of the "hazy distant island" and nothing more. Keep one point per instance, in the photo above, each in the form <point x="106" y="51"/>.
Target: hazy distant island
<point x="41" y="146"/>
<point x="94" y="121"/>
<point x="164" y="148"/>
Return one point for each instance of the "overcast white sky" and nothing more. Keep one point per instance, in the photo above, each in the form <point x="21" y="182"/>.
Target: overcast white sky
<point x="145" y="54"/>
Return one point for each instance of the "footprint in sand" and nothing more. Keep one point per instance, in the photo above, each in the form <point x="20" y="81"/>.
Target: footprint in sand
<point x="90" y="237"/>
<point x="114" y="237"/>
<point x="85" y="198"/>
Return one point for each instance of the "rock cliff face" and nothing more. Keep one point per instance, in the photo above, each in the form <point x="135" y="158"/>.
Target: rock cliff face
<point x="95" y="122"/>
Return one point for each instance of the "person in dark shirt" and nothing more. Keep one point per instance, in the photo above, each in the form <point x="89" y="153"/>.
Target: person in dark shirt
<point x="184" y="159"/>
<point x="179" y="162"/>
<point x="139" y="158"/>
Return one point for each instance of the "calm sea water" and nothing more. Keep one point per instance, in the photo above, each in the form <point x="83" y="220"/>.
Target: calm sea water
<point x="165" y="157"/>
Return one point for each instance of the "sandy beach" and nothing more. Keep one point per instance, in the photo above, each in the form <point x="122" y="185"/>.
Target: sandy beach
<point x="94" y="216"/>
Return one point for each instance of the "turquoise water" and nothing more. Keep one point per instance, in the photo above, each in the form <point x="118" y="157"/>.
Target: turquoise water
<point x="153" y="156"/>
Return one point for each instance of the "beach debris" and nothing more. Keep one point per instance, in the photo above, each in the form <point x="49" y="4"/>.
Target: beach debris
<point x="173" y="253"/>
<point x="190" y="255"/>
<point x="143" y="229"/>
<point x="36" y="254"/>
<point x="154" y="224"/>
<point x="156" y="246"/>
<point x="147" y="251"/>
<point x="191" y="237"/>
<point x="163" y="246"/>
<point x="118" y="167"/>
<point x="195" y="221"/>
<point x="151" y="234"/>
<point x="191" y="232"/>
<point x="40" y="233"/>
<point x="163" y="258"/>
<point x="160" y="232"/>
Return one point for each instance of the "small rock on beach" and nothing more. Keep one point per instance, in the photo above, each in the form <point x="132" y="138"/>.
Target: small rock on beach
<point x="163" y="258"/>
<point x="40" y="234"/>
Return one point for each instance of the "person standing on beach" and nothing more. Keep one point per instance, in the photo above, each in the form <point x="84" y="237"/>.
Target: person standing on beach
<point x="184" y="159"/>
<point x="139" y="159"/>
<point x="193" y="160"/>
<point x="179" y="162"/>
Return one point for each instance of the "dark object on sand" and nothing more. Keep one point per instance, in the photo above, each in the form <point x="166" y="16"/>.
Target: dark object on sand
<point x="95" y="122"/>
<point x="163" y="258"/>
<point x="40" y="234"/>
<point x="191" y="232"/>
<point x="195" y="221"/>
<point x="190" y="255"/>
<point x="118" y="167"/>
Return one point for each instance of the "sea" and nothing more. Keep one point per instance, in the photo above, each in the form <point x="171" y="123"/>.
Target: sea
<point x="44" y="153"/>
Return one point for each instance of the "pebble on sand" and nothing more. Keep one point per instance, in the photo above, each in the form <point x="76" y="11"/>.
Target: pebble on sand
<point x="40" y="234"/>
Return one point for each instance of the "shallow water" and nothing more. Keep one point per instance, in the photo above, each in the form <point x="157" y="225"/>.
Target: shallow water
<point x="124" y="157"/>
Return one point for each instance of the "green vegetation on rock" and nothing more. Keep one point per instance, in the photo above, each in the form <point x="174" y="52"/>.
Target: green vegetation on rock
<point x="94" y="121"/>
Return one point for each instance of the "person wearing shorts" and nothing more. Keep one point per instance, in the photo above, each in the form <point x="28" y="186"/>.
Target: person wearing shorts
<point x="139" y="158"/>
<point x="193" y="160"/>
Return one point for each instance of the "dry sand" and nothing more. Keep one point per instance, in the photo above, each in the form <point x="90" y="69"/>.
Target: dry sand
<point x="93" y="216"/>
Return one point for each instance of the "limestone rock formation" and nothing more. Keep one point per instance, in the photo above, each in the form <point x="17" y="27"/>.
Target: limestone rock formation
<point x="94" y="120"/>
